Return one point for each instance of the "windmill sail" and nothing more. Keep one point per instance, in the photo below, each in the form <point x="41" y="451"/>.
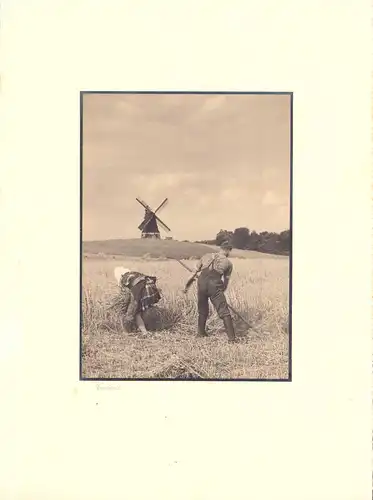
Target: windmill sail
<point x="149" y="226"/>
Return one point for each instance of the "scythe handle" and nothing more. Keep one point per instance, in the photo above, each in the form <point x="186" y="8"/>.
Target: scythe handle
<point x="184" y="265"/>
<point x="191" y="280"/>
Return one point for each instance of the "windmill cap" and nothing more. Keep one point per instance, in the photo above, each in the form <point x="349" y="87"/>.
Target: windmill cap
<point x="226" y="245"/>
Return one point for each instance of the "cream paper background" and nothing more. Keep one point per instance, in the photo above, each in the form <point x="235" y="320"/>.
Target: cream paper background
<point x="65" y="439"/>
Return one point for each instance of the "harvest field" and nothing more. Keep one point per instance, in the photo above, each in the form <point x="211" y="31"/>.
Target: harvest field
<point x="259" y="290"/>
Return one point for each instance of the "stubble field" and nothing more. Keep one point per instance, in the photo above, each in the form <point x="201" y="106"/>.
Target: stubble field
<point x="259" y="290"/>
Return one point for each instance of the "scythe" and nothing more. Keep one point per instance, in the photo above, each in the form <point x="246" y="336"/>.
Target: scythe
<point x="192" y="279"/>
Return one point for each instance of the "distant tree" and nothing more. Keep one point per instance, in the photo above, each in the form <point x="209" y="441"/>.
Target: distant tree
<point x="269" y="242"/>
<point x="241" y="238"/>
<point x="254" y="241"/>
<point x="265" y="241"/>
<point x="284" y="243"/>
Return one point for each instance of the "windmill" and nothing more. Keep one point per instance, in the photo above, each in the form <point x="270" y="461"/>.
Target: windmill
<point x="149" y="226"/>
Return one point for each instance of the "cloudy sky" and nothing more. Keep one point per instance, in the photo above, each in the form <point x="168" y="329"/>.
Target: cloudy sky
<point x="223" y="161"/>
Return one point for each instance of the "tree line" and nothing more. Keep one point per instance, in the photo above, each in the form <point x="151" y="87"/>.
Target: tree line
<point x="265" y="241"/>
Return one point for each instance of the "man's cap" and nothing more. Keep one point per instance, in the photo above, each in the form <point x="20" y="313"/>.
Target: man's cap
<point x="226" y="245"/>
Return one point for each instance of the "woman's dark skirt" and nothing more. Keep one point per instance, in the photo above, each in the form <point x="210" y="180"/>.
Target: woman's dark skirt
<point x="146" y="294"/>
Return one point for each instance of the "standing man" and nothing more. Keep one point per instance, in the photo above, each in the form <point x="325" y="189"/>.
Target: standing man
<point x="215" y="271"/>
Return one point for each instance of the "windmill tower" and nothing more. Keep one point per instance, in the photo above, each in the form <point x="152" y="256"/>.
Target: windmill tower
<point x="149" y="226"/>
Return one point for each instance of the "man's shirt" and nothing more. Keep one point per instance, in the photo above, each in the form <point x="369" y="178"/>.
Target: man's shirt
<point x="217" y="262"/>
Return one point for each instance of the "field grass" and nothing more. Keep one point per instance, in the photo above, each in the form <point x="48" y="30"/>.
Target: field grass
<point x="258" y="290"/>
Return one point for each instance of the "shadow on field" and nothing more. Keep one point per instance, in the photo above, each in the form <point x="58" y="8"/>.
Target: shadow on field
<point x="160" y="318"/>
<point x="247" y="328"/>
<point x="180" y="317"/>
<point x="178" y="367"/>
<point x="242" y="330"/>
<point x="156" y="319"/>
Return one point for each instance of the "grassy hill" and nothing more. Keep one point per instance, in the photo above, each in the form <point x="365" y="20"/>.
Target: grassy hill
<point x="167" y="249"/>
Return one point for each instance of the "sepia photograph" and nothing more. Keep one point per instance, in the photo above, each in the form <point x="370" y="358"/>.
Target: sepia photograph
<point x="182" y="315"/>
<point x="186" y="236"/>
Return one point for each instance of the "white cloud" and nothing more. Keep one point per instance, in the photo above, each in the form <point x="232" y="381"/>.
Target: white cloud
<point x="231" y="194"/>
<point x="270" y="198"/>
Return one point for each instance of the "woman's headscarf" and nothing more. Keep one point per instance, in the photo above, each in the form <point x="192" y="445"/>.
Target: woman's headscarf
<point x="119" y="271"/>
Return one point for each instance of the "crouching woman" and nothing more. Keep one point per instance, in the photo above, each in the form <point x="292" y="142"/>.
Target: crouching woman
<point x="144" y="293"/>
